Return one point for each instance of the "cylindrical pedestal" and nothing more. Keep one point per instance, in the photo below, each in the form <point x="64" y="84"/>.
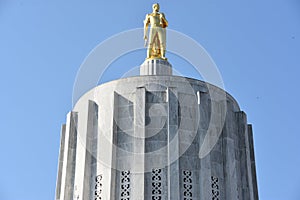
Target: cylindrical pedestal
<point x="156" y="67"/>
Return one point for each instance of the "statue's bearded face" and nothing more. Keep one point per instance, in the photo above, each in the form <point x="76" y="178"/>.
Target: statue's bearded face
<point x="155" y="7"/>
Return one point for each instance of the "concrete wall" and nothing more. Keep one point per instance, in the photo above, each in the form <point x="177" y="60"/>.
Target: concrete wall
<point x="157" y="137"/>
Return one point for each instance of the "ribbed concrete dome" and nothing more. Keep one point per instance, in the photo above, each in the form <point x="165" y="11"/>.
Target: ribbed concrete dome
<point x="156" y="137"/>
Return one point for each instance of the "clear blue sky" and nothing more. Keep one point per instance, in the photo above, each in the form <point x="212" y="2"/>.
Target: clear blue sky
<point x="255" y="44"/>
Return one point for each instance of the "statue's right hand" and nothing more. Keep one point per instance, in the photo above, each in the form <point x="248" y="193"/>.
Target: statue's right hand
<point x="145" y="37"/>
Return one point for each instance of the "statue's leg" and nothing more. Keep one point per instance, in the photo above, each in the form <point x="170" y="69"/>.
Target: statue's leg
<point x="149" y="51"/>
<point x="162" y="38"/>
<point x="162" y="50"/>
<point x="150" y="43"/>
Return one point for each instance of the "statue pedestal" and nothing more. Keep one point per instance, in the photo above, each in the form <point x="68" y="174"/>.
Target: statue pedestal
<point x="157" y="67"/>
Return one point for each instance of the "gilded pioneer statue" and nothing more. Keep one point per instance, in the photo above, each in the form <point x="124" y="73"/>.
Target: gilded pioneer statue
<point x="157" y="34"/>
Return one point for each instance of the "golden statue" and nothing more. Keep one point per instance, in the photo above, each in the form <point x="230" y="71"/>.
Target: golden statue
<point x="157" y="33"/>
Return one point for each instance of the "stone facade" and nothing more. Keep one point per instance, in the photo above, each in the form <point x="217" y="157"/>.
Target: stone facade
<point x="156" y="138"/>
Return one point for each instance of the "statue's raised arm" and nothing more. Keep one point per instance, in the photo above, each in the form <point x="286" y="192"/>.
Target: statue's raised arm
<point x="157" y="34"/>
